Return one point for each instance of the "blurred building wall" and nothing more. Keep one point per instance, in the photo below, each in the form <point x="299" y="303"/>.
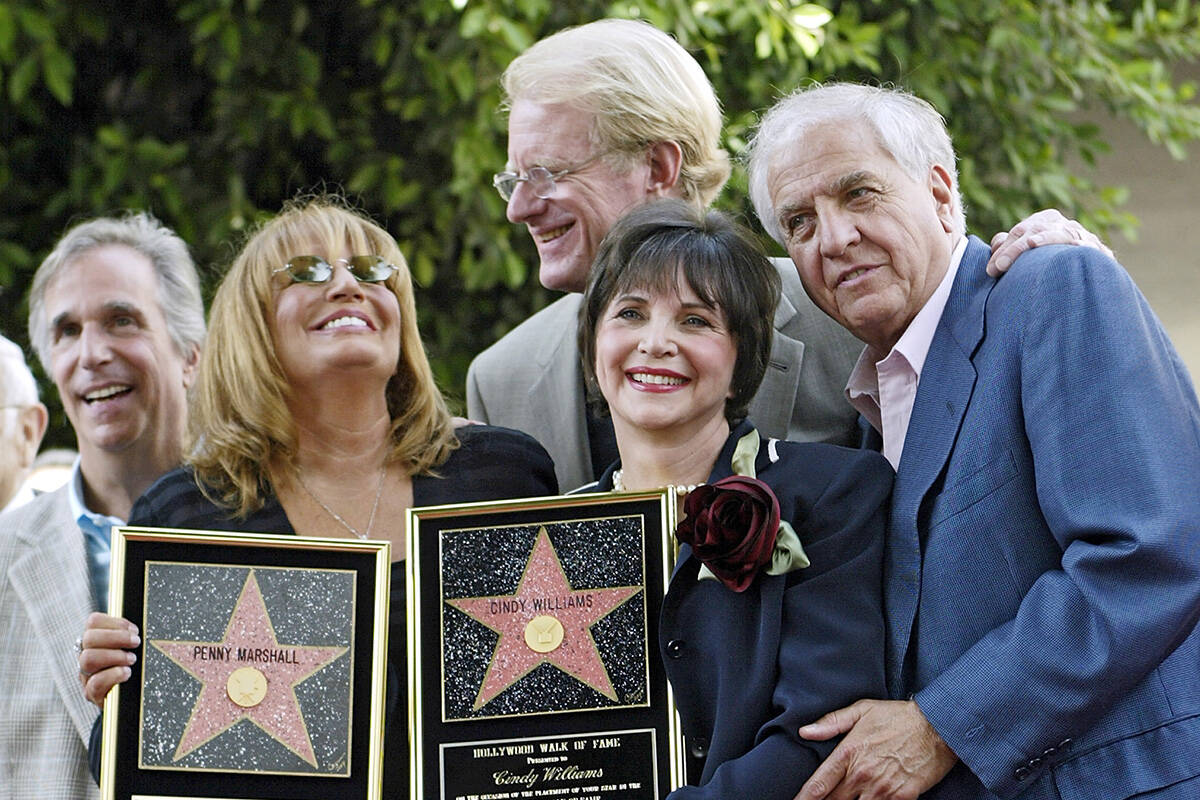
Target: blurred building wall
<point x="1165" y="259"/>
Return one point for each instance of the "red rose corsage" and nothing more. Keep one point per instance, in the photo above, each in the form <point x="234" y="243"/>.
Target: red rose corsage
<point x="731" y="525"/>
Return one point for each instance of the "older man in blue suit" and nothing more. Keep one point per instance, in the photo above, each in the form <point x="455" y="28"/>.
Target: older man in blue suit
<point x="1043" y="554"/>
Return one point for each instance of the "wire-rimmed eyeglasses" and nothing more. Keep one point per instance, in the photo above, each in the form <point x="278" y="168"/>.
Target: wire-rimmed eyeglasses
<point x="540" y="179"/>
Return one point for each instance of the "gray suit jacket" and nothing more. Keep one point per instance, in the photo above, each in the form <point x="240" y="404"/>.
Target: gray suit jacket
<point x="531" y="380"/>
<point x="45" y="597"/>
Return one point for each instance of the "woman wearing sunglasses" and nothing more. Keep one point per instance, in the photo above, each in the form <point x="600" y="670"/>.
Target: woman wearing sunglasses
<point x="315" y="412"/>
<point x="774" y="612"/>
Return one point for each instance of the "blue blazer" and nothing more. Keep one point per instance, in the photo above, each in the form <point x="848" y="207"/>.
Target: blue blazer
<point x="748" y="669"/>
<point x="1043" y="559"/>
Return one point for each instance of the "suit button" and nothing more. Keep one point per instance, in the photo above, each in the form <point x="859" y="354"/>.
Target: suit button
<point x="698" y="747"/>
<point x="675" y="648"/>
<point x="1064" y="744"/>
<point x="1034" y="763"/>
<point x="1021" y="773"/>
<point x="1049" y="752"/>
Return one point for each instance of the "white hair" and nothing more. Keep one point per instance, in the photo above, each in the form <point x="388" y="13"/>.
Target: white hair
<point x="905" y="126"/>
<point x="17" y="385"/>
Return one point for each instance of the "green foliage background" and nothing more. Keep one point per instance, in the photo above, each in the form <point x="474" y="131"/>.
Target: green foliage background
<point x="211" y="113"/>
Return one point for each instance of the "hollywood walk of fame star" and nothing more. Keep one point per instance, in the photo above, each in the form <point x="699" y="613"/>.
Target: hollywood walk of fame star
<point x="544" y="592"/>
<point x="278" y="712"/>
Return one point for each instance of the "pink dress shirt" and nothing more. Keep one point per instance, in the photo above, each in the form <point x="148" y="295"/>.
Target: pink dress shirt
<point x="883" y="390"/>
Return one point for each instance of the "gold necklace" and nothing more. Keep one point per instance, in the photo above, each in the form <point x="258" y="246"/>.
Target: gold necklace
<point x="337" y="516"/>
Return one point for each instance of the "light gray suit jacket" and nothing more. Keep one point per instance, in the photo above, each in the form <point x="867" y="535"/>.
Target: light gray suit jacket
<point x="531" y="380"/>
<point x="45" y="597"/>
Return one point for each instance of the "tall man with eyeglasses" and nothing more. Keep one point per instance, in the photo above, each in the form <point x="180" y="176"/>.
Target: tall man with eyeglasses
<point x="116" y="318"/>
<point x="603" y="117"/>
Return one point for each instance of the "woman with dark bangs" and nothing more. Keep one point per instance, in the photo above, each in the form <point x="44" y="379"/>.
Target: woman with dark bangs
<point x="774" y="613"/>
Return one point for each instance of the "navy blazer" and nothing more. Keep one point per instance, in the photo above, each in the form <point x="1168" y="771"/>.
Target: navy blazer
<point x="748" y="669"/>
<point x="1043" y="559"/>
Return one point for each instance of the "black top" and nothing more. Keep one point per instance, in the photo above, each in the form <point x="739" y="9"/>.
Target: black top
<point x="490" y="464"/>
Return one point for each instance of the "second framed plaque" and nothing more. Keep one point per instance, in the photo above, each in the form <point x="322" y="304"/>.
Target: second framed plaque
<point x="533" y="663"/>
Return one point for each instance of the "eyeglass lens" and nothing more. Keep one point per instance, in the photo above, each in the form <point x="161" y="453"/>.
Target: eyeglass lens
<point x="541" y="181"/>
<point x="314" y="269"/>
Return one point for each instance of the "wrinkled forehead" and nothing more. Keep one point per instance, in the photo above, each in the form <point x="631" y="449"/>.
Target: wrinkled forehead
<point x="826" y="160"/>
<point x="854" y="139"/>
<point x="549" y="134"/>
<point x="100" y="277"/>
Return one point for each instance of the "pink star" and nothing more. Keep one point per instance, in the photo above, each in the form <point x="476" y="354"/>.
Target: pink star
<point x="248" y="638"/>
<point x="544" y="591"/>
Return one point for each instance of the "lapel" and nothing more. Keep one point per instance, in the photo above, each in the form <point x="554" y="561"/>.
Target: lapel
<point x="555" y="404"/>
<point x="50" y="578"/>
<point x="947" y="382"/>
<point x="772" y="405"/>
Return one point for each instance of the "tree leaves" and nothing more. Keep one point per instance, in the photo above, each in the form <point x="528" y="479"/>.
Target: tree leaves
<point x="211" y="113"/>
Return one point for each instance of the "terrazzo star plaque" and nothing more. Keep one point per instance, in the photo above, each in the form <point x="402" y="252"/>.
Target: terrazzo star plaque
<point x="544" y="622"/>
<point x="551" y="643"/>
<point x="263" y="701"/>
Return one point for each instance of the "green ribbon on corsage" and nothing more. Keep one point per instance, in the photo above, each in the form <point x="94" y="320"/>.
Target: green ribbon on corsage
<point x="788" y="554"/>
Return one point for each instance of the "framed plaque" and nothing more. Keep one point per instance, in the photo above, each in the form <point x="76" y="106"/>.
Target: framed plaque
<point x="261" y="672"/>
<point x="533" y="649"/>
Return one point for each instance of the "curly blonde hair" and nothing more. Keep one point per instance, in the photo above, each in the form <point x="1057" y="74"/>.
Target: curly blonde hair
<point x="239" y="426"/>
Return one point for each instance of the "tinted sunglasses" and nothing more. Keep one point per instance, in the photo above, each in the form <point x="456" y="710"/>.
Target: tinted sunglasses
<point x="314" y="269"/>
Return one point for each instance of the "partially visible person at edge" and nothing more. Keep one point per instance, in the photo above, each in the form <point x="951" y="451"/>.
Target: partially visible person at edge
<point x="117" y="320"/>
<point x="315" y="412"/>
<point x="23" y="421"/>
<point x="603" y="117"/>
<point x="1042" y="572"/>
<point x="763" y="627"/>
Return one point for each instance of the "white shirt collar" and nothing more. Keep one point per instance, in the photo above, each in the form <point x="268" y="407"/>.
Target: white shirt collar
<point x="75" y="496"/>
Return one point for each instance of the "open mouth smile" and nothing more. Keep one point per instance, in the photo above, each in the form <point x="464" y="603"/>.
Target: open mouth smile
<point x="107" y="392"/>
<point x="656" y="380"/>
<point x="554" y="233"/>
<point x="344" y="322"/>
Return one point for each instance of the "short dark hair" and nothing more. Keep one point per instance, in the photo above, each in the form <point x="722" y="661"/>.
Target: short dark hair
<point x="654" y="245"/>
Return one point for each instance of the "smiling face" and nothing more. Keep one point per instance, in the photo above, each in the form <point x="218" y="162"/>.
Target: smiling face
<point x="871" y="244"/>
<point x="333" y="330"/>
<point x="122" y="381"/>
<point x="664" y="361"/>
<point x="567" y="227"/>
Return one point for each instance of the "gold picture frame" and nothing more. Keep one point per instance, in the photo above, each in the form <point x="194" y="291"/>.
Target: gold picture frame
<point x="262" y="668"/>
<point x="533" y="652"/>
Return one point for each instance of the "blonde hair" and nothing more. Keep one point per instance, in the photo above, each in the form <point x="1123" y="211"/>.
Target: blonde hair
<point x="239" y="421"/>
<point x="639" y="86"/>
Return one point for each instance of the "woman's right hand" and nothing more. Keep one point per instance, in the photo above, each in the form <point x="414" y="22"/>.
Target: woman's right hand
<point x="104" y="656"/>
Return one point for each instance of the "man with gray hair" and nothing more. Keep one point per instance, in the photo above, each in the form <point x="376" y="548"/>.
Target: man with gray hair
<point x="117" y="320"/>
<point x="1042" y="585"/>
<point x="603" y="117"/>
<point x="22" y="425"/>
